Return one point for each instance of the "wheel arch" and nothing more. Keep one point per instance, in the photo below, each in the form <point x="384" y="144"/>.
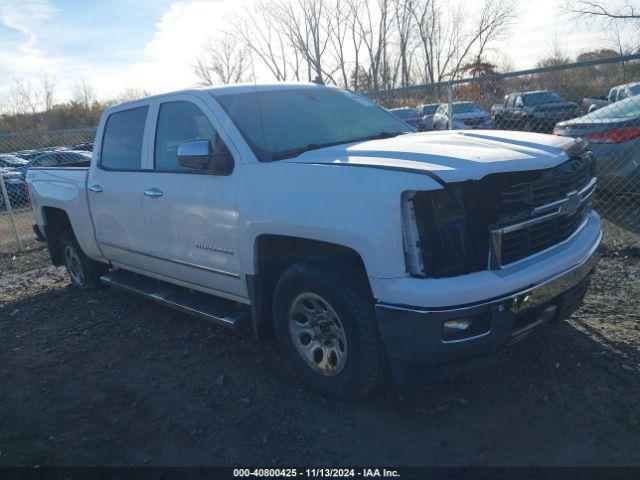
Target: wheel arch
<point x="56" y="223"/>
<point x="273" y="254"/>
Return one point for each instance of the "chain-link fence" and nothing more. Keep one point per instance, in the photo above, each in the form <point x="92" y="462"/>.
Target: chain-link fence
<point x="18" y="153"/>
<point x="597" y="100"/>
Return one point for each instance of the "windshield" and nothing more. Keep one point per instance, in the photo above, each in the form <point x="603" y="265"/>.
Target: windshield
<point x="466" y="107"/>
<point x="283" y="123"/>
<point x="405" y="113"/>
<point x="635" y="89"/>
<point x="627" y="108"/>
<point x="11" y="161"/>
<point x="539" y="98"/>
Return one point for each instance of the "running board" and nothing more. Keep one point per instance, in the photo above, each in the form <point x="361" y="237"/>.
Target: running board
<point x="221" y="311"/>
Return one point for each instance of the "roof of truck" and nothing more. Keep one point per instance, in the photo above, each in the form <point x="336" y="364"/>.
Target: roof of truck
<point x="227" y="90"/>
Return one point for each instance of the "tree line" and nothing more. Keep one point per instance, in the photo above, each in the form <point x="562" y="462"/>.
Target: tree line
<point x="34" y="105"/>
<point x="358" y="44"/>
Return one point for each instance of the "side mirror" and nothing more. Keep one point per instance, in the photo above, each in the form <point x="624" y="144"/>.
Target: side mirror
<point x="200" y="156"/>
<point x="519" y="103"/>
<point x="196" y="154"/>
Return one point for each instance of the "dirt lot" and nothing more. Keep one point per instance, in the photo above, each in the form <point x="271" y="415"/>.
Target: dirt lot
<point x="106" y="378"/>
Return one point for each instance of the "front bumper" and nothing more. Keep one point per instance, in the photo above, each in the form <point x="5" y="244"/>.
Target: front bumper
<point x="414" y="336"/>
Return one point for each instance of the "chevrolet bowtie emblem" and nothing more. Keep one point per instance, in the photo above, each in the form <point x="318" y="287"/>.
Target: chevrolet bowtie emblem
<point x="571" y="204"/>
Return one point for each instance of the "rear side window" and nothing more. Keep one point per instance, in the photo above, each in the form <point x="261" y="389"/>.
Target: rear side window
<point x="122" y="141"/>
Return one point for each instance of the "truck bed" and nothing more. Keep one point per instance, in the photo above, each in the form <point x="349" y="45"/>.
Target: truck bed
<point x="64" y="188"/>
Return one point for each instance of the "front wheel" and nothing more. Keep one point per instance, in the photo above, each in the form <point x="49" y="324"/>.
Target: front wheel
<point x="84" y="272"/>
<point x="326" y="327"/>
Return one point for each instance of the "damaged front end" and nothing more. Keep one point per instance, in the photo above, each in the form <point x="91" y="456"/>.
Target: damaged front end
<point x="497" y="221"/>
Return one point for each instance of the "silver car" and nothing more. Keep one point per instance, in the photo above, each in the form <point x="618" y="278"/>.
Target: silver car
<point x="613" y="133"/>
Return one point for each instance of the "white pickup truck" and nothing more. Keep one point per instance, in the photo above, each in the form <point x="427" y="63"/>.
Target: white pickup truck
<point x="309" y="213"/>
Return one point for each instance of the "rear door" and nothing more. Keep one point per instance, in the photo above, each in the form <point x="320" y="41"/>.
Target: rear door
<point x="115" y="188"/>
<point x="191" y="214"/>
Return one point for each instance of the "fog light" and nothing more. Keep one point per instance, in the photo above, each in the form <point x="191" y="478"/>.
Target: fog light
<point x="463" y="328"/>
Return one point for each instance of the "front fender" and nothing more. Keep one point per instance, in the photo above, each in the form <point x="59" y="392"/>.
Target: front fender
<point x="355" y="207"/>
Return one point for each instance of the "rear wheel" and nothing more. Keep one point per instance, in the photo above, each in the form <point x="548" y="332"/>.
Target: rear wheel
<point x="83" y="271"/>
<point x="326" y="327"/>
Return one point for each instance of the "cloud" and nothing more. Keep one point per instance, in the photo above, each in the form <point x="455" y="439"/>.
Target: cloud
<point x="26" y="16"/>
<point x="170" y="54"/>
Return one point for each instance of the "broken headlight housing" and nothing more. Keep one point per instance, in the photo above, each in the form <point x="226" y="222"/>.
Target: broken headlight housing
<point x="443" y="233"/>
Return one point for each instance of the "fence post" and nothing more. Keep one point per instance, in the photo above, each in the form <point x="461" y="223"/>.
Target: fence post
<point x="7" y="203"/>
<point x="450" y="100"/>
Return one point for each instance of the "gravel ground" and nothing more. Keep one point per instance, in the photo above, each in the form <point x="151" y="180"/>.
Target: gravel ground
<point x="107" y="378"/>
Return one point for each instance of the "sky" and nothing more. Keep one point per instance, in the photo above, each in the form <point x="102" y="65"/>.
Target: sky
<point x="151" y="44"/>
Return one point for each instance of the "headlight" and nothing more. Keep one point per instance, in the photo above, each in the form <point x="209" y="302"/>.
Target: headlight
<point x="410" y="237"/>
<point x="436" y="235"/>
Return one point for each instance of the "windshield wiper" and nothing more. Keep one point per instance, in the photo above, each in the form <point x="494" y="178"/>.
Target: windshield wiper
<point x="297" y="151"/>
<point x="294" y="152"/>
<point x="378" y="136"/>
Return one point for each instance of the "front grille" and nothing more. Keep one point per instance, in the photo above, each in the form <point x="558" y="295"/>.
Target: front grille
<point x="552" y="185"/>
<point x="474" y="121"/>
<point x="530" y="240"/>
<point x="539" y="214"/>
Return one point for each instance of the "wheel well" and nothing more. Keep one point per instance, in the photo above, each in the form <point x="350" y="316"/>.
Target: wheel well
<point x="273" y="255"/>
<point x="56" y="223"/>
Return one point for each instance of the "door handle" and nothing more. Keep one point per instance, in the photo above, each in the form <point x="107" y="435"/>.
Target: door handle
<point x="94" y="187"/>
<point x="152" y="192"/>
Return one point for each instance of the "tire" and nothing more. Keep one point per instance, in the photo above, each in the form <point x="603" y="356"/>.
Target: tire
<point x="528" y="126"/>
<point x="83" y="272"/>
<point x="353" y="360"/>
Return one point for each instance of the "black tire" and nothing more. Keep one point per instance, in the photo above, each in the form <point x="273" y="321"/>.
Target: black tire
<point x="345" y="288"/>
<point x="83" y="272"/>
<point x="528" y="125"/>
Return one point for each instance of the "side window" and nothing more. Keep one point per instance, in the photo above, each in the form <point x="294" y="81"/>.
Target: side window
<point x="622" y="93"/>
<point x="47" y="161"/>
<point x="180" y="122"/>
<point x="122" y="140"/>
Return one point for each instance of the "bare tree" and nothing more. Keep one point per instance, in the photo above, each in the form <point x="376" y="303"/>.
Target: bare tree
<point x="592" y="9"/>
<point x="339" y="27"/>
<point x="372" y="26"/>
<point x="255" y="29"/>
<point x="84" y="94"/>
<point x="452" y="37"/>
<point x="306" y="26"/>
<point x="223" y="60"/>
<point x="48" y="90"/>
<point x="403" y="15"/>
<point x="132" y="93"/>
<point x="24" y="97"/>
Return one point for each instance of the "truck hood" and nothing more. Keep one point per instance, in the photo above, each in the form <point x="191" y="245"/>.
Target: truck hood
<point x="450" y="156"/>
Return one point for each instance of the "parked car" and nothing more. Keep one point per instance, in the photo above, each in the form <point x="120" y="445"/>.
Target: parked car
<point x="15" y="187"/>
<point x="310" y="213"/>
<point x="84" y="147"/>
<point x="11" y="161"/>
<point x="466" y="116"/>
<point x="614" y="136"/>
<point x="57" y="158"/>
<point x="409" y="116"/>
<point x="615" y="95"/>
<point x="426" y="112"/>
<point x="27" y="154"/>
<point x="537" y="111"/>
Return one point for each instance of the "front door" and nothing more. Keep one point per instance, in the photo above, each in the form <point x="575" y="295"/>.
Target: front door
<point x="115" y="189"/>
<point x="191" y="214"/>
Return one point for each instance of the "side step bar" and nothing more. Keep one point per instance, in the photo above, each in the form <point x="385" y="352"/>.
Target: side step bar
<point x="221" y="311"/>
